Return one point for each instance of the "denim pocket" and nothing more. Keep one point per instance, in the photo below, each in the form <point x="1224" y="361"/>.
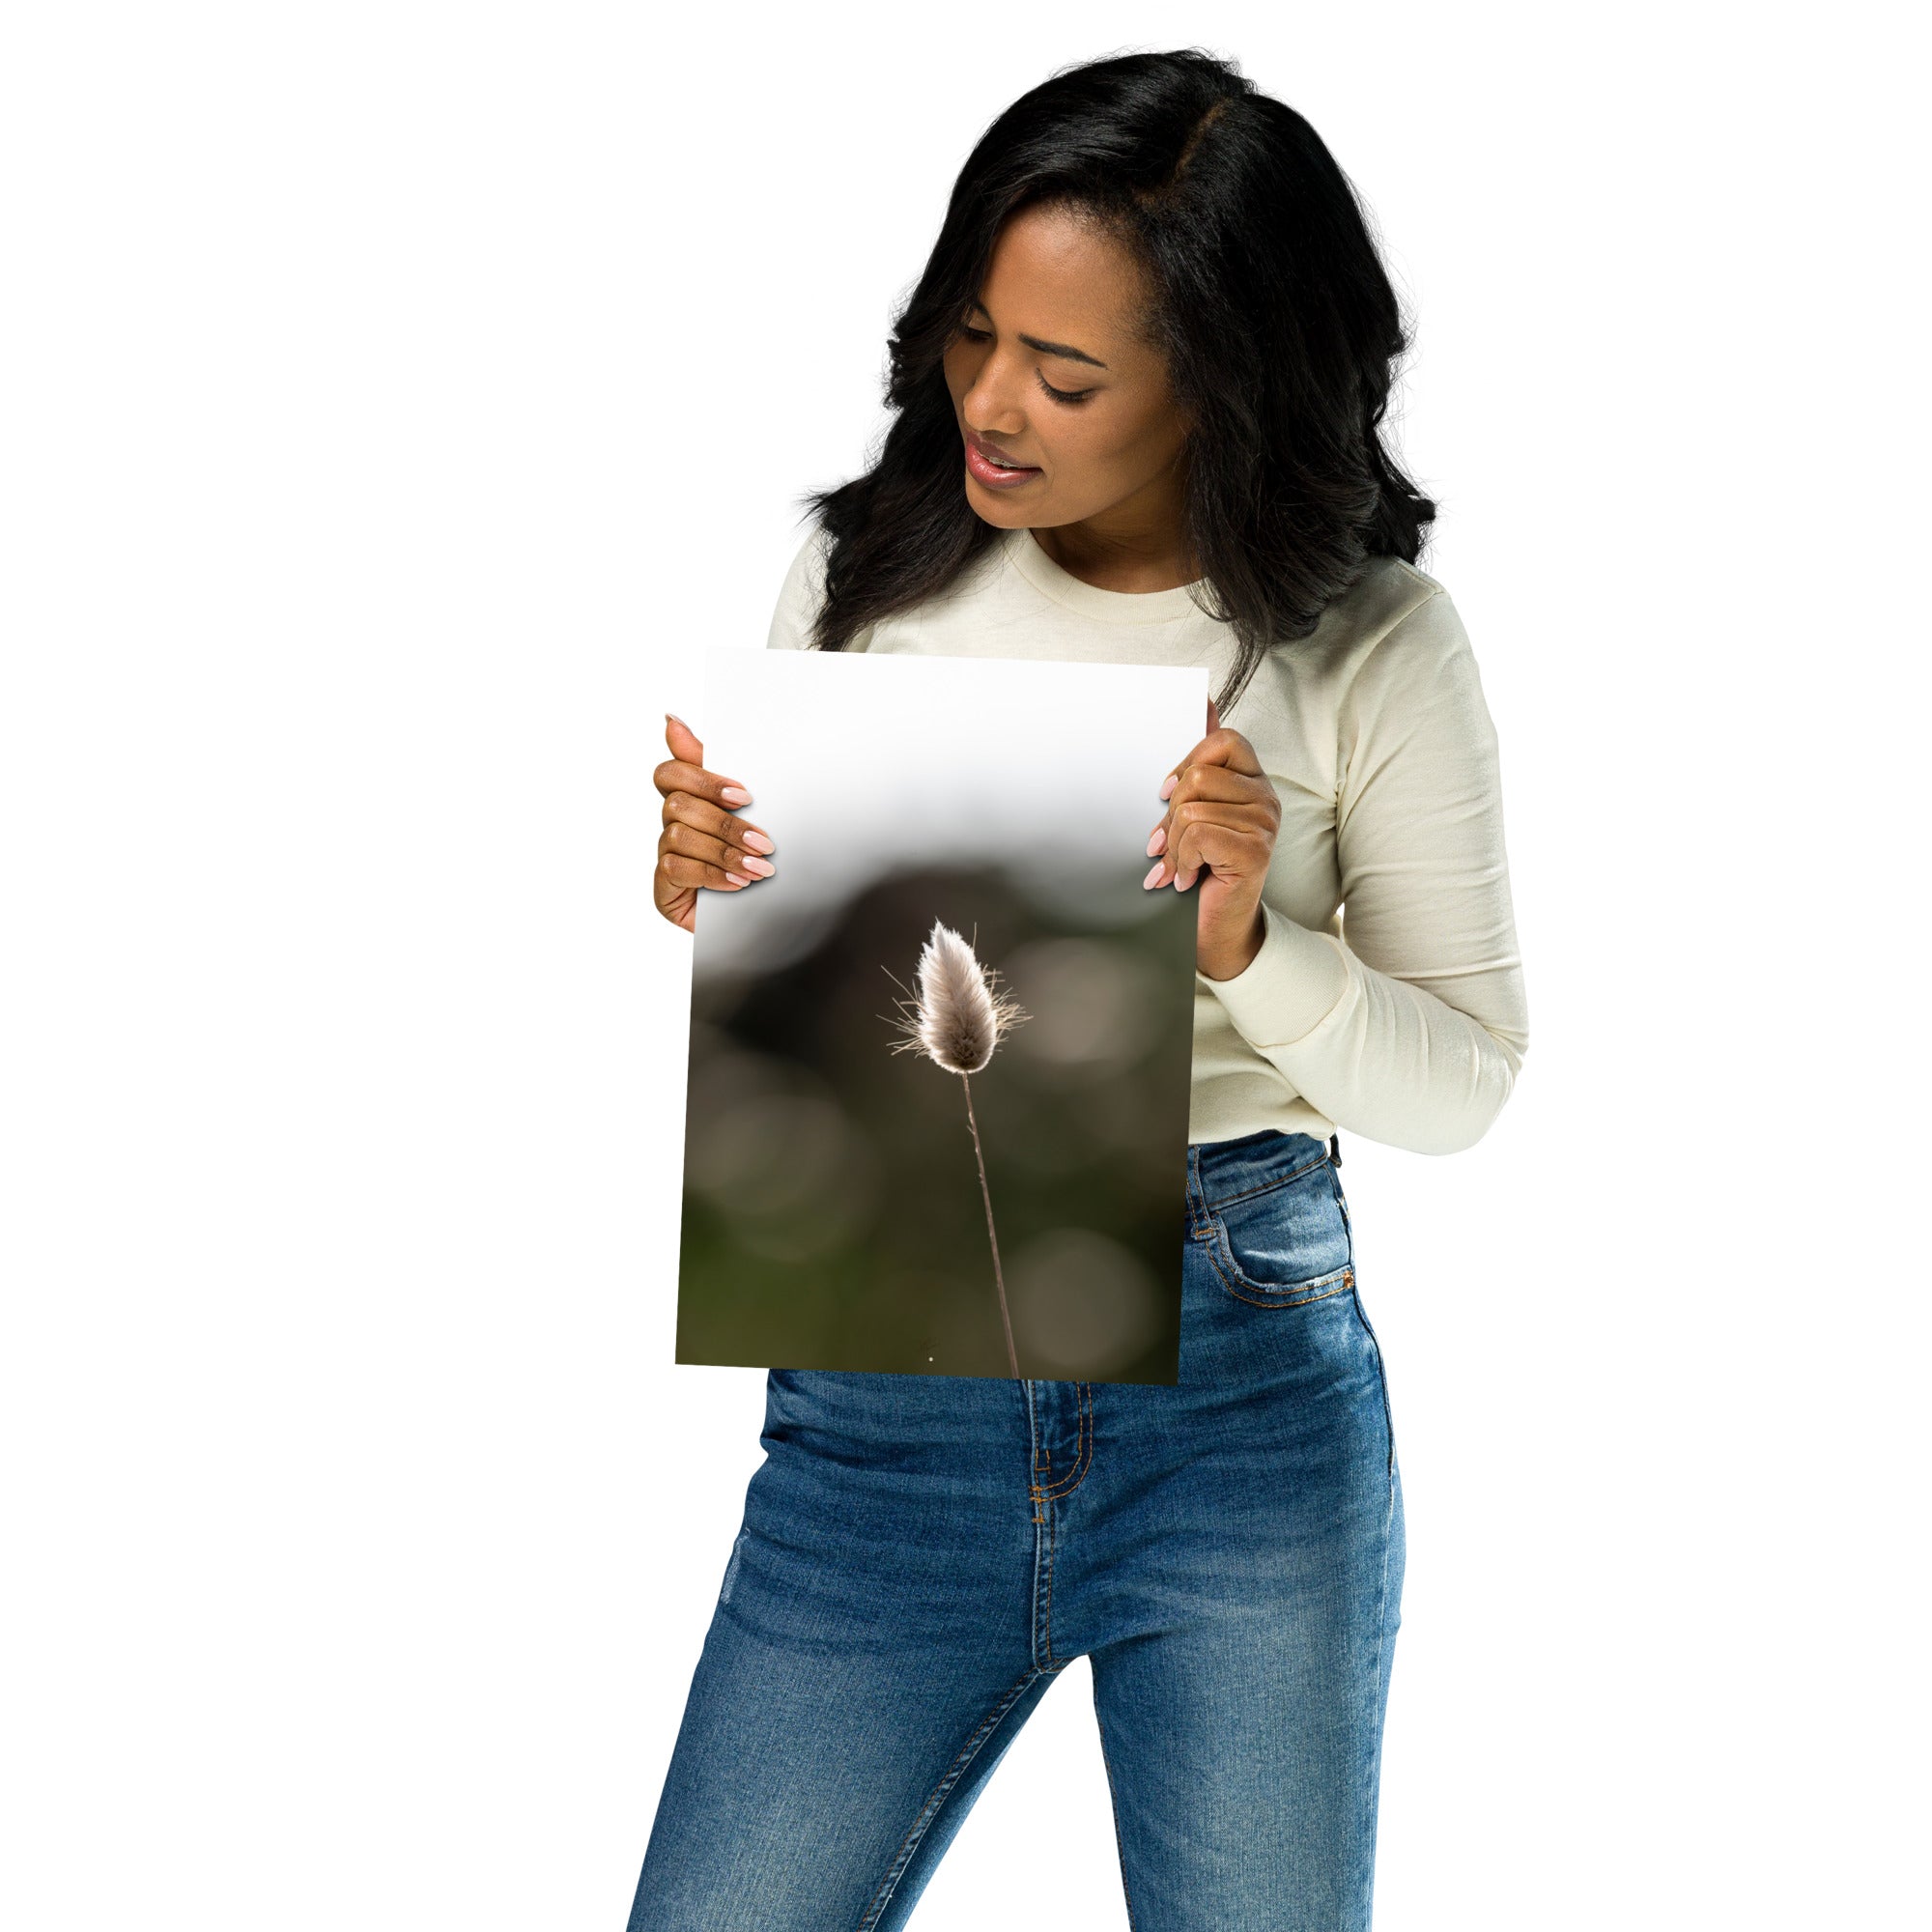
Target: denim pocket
<point x="1285" y="1241"/>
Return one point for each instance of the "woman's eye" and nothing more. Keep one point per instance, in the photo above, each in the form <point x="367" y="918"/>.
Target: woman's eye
<point x="1059" y="395"/>
<point x="1065" y="395"/>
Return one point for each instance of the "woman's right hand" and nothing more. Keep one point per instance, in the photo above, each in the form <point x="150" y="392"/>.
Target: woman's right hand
<point x="702" y="844"/>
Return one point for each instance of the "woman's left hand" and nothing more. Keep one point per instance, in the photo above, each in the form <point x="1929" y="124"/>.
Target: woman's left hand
<point x="1222" y="817"/>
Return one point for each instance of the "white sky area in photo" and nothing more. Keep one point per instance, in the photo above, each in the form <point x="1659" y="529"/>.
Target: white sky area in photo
<point x="859" y="765"/>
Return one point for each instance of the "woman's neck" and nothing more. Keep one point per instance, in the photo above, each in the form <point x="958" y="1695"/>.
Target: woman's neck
<point x="1120" y="559"/>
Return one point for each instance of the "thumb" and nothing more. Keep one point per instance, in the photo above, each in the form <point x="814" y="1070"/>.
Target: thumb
<point x="682" y="740"/>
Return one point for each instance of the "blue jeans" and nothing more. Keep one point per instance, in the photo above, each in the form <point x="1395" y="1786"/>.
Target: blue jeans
<point x="921" y="1556"/>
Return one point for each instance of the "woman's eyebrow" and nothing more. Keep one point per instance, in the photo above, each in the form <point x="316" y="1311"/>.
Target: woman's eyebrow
<point x="1071" y="353"/>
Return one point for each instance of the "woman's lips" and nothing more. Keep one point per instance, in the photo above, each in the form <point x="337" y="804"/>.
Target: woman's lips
<point x="996" y="476"/>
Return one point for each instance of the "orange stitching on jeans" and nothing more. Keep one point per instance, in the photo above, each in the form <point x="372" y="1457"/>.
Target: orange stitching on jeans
<point x="1042" y="1520"/>
<point x="1239" y="1289"/>
<point x="1083" y="1447"/>
<point x="1199" y="1225"/>
<point x="1234" y="1279"/>
<point x="1045" y="1632"/>
<point x="1043" y="1517"/>
<point x="1083" y="1453"/>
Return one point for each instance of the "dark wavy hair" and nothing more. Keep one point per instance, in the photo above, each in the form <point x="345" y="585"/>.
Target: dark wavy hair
<point x="1268" y="301"/>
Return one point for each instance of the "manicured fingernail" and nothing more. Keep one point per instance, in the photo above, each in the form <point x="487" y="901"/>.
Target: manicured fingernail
<point x="759" y="842"/>
<point x="1158" y="839"/>
<point x="673" y="715"/>
<point x="1160" y="867"/>
<point x="738" y="878"/>
<point x="735" y="795"/>
<point x="762" y="867"/>
<point x="1168" y="784"/>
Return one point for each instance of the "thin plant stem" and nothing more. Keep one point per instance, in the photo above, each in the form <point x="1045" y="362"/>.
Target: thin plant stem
<point x="999" y="1280"/>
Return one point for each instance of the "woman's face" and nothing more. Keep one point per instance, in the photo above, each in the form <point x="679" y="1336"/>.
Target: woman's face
<point x="1055" y="314"/>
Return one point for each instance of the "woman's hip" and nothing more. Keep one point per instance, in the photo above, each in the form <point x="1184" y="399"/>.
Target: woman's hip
<point x="1276" y="1437"/>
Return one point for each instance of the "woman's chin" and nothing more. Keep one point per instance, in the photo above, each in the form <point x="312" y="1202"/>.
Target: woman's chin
<point x="996" y="506"/>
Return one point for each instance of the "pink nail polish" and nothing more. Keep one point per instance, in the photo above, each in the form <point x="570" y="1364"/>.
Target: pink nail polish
<point x="735" y="795"/>
<point x="1160" y="867"/>
<point x="1158" y="839"/>
<point x="1168" y="784"/>
<point x="759" y="842"/>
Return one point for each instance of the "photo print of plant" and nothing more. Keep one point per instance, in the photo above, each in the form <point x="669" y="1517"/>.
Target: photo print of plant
<point x="939" y="1074"/>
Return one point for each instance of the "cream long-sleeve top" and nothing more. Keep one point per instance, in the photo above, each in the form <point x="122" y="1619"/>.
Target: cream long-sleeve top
<point x="1387" y="997"/>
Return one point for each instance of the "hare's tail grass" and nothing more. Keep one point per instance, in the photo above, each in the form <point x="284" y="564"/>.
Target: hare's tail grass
<point x="992" y="1234"/>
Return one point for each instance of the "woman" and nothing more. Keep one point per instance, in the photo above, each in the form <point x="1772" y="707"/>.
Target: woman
<point x="1138" y="393"/>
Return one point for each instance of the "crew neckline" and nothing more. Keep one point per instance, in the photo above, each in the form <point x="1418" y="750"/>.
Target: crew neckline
<point x="1110" y="606"/>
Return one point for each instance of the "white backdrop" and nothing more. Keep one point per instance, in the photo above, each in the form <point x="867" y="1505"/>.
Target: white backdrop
<point x="397" y="400"/>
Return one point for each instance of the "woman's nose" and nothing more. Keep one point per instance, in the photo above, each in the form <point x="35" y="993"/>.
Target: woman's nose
<point x="989" y="405"/>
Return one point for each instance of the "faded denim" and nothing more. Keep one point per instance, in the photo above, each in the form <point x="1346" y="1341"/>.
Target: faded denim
<point x="921" y="1556"/>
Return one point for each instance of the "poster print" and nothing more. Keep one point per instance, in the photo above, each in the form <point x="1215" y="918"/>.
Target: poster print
<point x="940" y="1059"/>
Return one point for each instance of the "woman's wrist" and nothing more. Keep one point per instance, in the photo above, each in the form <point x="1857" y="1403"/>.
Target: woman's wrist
<point x="1224" y="961"/>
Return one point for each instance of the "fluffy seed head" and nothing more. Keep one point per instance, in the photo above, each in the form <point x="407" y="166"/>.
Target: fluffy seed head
<point x="957" y="1020"/>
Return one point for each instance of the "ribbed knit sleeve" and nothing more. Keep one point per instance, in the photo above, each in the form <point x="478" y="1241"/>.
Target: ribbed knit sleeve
<point x="1412" y="1026"/>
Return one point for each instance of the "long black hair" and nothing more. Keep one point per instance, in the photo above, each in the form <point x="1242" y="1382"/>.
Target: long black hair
<point x="1268" y="301"/>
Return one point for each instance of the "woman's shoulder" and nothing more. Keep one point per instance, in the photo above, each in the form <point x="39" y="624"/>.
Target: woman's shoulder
<point x="1390" y="638"/>
<point x="1404" y="653"/>
<point x="1389" y="606"/>
<point x="1389" y="590"/>
<point x="1410" y="572"/>
<point x="801" y="593"/>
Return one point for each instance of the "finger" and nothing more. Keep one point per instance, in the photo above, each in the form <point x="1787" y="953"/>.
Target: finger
<point x="681" y="774"/>
<point x="724" y="855"/>
<point x="682" y="740"/>
<point x="1259" y="820"/>
<point x="1234" y="851"/>
<point x="1255" y="807"/>
<point x="700" y="814"/>
<point x="1217" y="781"/>
<point x="1230" y="840"/>
<point x="1222" y="794"/>
<point x="688" y="755"/>
<point x="1222" y="781"/>
<point x="679" y="870"/>
<point x="1220" y="746"/>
